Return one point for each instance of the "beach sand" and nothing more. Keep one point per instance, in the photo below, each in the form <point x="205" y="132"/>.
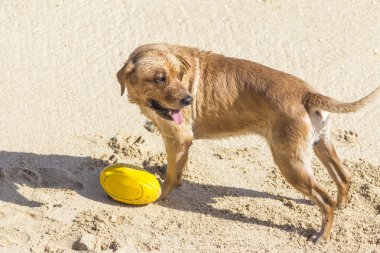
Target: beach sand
<point x="60" y="106"/>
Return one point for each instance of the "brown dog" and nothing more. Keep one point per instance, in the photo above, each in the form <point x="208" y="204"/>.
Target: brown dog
<point x="191" y="94"/>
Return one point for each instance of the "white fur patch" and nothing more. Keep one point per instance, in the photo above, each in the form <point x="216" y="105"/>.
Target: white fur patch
<point x="319" y="123"/>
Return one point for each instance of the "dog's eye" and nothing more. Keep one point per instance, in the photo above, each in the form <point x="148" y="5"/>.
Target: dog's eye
<point x="161" y="79"/>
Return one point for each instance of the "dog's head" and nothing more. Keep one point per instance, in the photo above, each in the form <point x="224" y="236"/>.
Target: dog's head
<point x="155" y="79"/>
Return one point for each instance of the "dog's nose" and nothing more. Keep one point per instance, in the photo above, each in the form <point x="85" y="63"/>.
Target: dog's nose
<point x="187" y="100"/>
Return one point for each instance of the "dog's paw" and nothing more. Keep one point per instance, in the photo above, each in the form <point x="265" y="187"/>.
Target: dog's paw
<point x="317" y="239"/>
<point x="340" y="206"/>
<point x="342" y="202"/>
<point x="178" y="183"/>
<point x="166" y="189"/>
<point x="163" y="197"/>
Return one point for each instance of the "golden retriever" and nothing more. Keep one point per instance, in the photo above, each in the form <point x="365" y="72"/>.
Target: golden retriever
<point x="191" y="94"/>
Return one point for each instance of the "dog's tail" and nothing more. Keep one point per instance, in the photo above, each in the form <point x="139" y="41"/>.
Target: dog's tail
<point x="319" y="101"/>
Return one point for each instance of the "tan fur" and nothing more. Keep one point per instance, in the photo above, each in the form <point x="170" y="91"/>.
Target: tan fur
<point x="234" y="97"/>
<point x="319" y="101"/>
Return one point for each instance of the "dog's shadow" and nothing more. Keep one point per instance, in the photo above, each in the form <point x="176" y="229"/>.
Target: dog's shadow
<point x="202" y="198"/>
<point x="81" y="174"/>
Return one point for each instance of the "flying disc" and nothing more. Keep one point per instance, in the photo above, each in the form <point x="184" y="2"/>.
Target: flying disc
<point x="130" y="184"/>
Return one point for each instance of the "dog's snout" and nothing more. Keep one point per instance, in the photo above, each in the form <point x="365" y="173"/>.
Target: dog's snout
<point x="187" y="100"/>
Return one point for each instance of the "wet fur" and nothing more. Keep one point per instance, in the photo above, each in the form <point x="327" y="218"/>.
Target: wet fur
<point x="237" y="97"/>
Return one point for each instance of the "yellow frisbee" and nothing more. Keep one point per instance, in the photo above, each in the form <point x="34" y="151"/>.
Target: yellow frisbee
<point x="130" y="184"/>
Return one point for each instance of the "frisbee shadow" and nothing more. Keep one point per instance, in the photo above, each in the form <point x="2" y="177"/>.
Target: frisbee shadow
<point x="79" y="174"/>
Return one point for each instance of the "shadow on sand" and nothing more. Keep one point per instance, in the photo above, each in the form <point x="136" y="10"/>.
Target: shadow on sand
<point x="81" y="174"/>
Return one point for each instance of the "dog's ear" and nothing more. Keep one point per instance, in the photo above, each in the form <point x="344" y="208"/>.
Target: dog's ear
<point x="123" y="74"/>
<point x="185" y="64"/>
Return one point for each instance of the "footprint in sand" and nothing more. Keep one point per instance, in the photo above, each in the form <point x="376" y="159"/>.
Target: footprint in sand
<point x="31" y="176"/>
<point x="345" y="136"/>
<point x="156" y="164"/>
<point x="2" y="174"/>
<point x="150" y="127"/>
<point x="126" y="147"/>
<point x="51" y="178"/>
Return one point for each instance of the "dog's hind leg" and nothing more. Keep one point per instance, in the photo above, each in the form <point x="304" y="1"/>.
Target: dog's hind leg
<point x="290" y="148"/>
<point x="325" y="151"/>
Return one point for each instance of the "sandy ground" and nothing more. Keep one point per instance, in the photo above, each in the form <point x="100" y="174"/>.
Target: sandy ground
<point x="60" y="106"/>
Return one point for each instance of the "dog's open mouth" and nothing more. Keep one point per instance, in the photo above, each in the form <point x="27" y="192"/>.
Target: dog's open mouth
<point x="170" y="114"/>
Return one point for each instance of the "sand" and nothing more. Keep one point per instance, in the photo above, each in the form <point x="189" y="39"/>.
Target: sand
<point x="63" y="120"/>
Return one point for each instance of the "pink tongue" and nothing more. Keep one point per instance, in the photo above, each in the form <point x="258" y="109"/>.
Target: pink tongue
<point x="176" y="116"/>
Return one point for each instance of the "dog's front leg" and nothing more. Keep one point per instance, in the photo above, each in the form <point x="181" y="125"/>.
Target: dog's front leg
<point x="177" y="153"/>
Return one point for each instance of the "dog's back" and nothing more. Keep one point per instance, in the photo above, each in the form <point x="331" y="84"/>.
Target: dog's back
<point x="240" y="97"/>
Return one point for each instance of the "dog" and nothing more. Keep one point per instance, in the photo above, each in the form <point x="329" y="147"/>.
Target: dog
<point x="191" y="94"/>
